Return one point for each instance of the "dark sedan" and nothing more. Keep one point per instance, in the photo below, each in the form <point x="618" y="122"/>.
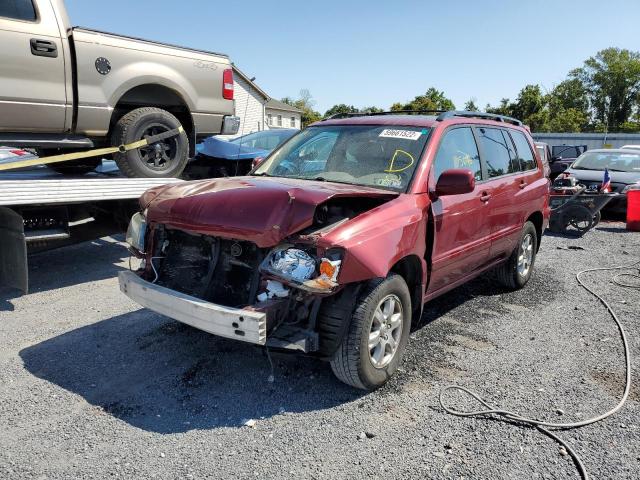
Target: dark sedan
<point x="624" y="171"/>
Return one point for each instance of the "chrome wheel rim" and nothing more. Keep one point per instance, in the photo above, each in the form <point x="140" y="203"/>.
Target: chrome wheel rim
<point x="385" y="332"/>
<point x="525" y="255"/>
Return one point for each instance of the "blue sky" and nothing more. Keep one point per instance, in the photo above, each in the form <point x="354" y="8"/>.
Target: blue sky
<point x="378" y="52"/>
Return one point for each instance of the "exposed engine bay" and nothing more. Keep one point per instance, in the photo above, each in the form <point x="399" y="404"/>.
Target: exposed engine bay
<point x="288" y="281"/>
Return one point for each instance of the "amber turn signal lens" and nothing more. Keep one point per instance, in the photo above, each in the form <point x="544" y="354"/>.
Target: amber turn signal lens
<point x="327" y="269"/>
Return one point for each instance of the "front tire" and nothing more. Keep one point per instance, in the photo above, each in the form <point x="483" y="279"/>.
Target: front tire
<point x="167" y="158"/>
<point x="516" y="272"/>
<point x="377" y="337"/>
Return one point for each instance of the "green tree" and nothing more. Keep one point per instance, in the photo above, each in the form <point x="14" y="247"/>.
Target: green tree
<point x="505" y="108"/>
<point x="471" y="106"/>
<point x="433" y="99"/>
<point x="372" y="110"/>
<point x="305" y="102"/>
<point x="570" y="93"/>
<point x="340" y="108"/>
<point x="569" y="120"/>
<point x="612" y="80"/>
<point x="529" y="102"/>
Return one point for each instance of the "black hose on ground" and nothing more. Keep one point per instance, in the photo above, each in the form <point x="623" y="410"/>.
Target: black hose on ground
<point x="540" y="424"/>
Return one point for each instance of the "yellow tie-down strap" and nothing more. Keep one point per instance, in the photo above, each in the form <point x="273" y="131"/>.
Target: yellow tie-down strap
<point x="98" y="152"/>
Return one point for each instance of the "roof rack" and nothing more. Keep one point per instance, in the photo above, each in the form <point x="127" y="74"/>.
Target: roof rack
<point x="372" y="114"/>
<point x="486" y="116"/>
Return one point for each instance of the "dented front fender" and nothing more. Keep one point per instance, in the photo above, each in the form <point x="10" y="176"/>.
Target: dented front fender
<point x="376" y="240"/>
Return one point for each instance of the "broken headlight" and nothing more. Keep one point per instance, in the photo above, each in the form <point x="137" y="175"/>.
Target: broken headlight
<point x="308" y="272"/>
<point x="136" y="232"/>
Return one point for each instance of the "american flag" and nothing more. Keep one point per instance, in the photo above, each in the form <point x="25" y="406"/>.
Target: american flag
<point x="606" y="182"/>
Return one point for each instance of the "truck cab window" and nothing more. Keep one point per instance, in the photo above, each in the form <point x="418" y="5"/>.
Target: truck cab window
<point x="458" y="149"/>
<point x="18" y="9"/>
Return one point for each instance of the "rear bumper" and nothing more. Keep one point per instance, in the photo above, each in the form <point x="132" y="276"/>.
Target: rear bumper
<point x="238" y="324"/>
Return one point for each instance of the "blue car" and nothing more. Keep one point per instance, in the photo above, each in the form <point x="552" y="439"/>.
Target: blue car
<point x="217" y="157"/>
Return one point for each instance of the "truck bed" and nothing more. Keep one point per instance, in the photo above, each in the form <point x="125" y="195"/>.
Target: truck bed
<point x="41" y="186"/>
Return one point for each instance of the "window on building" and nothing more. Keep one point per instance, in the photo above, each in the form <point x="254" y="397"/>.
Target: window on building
<point x="279" y="120"/>
<point x="18" y="9"/>
<point x="269" y="119"/>
<point x="496" y="152"/>
<point x="293" y="122"/>
<point x="458" y="149"/>
<point x="527" y="160"/>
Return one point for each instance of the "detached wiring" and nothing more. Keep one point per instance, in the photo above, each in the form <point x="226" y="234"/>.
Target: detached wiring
<point x="540" y="424"/>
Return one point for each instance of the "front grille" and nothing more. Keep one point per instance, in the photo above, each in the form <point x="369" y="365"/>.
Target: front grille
<point x="212" y="269"/>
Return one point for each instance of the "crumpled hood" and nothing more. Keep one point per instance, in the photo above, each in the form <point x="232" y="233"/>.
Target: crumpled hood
<point x="262" y="210"/>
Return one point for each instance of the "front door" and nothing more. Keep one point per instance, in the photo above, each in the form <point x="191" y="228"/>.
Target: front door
<point x="33" y="93"/>
<point x="462" y="236"/>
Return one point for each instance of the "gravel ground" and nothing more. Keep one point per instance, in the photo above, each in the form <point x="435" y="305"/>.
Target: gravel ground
<point x="92" y="386"/>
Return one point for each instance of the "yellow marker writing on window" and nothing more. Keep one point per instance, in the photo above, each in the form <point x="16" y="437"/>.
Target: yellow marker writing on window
<point x="392" y="165"/>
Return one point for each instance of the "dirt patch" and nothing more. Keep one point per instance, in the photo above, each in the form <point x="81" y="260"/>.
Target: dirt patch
<point x="613" y="383"/>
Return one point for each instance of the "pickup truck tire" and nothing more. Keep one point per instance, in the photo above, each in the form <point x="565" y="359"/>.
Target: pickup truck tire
<point x="517" y="270"/>
<point x="160" y="160"/>
<point x="373" y="347"/>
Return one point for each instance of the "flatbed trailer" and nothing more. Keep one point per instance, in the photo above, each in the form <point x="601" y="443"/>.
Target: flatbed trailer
<point x="40" y="210"/>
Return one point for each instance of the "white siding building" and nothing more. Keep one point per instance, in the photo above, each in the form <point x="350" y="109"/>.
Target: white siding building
<point x="281" y="115"/>
<point x="258" y="111"/>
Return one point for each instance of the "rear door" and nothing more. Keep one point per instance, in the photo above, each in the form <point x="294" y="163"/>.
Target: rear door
<point x="502" y="189"/>
<point x="461" y="240"/>
<point x="32" y="68"/>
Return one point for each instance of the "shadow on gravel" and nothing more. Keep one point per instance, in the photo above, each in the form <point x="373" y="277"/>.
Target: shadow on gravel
<point x="165" y="377"/>
<point x="75" y="264"/>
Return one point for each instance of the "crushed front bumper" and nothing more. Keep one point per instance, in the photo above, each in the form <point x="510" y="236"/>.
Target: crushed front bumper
<point x="238" y="324"/>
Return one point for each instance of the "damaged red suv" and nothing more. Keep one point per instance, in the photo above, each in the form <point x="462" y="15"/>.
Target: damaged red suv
<point x="333" y="244"/>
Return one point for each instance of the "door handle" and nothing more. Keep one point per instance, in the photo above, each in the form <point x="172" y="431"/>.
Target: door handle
<point x="43" y="48"/>
<point x="522" y="184"/>
<point x="485" y="196"/>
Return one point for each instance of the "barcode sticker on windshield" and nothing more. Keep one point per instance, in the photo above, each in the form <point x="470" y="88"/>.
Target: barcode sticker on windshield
<point x="406" y="134"/>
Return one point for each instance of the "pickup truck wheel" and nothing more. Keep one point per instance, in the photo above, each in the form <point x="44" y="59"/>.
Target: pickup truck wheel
<point x="516" y="272"/>
<point x="375" y="342"/>
<point x="167" y="158"/>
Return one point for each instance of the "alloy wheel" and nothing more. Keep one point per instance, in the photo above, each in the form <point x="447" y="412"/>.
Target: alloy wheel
<point x="386" y="331"/>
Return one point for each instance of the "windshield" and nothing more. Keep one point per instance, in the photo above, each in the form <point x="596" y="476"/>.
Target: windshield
<point x="371" y="155"/>
<point x="566" y="151"/>
<point x="614" y="161"/>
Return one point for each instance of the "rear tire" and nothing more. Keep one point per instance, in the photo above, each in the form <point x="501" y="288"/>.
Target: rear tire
<point x="164" y="159"/>
<point x="378" y="333"/>
<point x="517" y="270"/>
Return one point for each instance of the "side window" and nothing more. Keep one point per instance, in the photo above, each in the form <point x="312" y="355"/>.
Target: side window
<point x="458" y="149"/>
<point x="514" y="161"/>
<point x="527" y="160"/>
<point x="18" y="9"/>
<point x="495" y="151"/>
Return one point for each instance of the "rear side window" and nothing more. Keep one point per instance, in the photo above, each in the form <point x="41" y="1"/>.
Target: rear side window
<point x="497" y="152"/>
<point x="18" y="9"/>
<point x="527" y="160"/>
<point x="458" y="149"/>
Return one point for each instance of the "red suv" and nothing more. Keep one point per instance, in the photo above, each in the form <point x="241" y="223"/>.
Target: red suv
<point x="333" y="244"/>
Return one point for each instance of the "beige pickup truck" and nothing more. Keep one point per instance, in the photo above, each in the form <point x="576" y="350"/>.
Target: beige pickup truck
<point x="64" y="89"/>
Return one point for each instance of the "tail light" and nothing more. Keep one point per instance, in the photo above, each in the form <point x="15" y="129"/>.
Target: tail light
<point x="227" y="84"/>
